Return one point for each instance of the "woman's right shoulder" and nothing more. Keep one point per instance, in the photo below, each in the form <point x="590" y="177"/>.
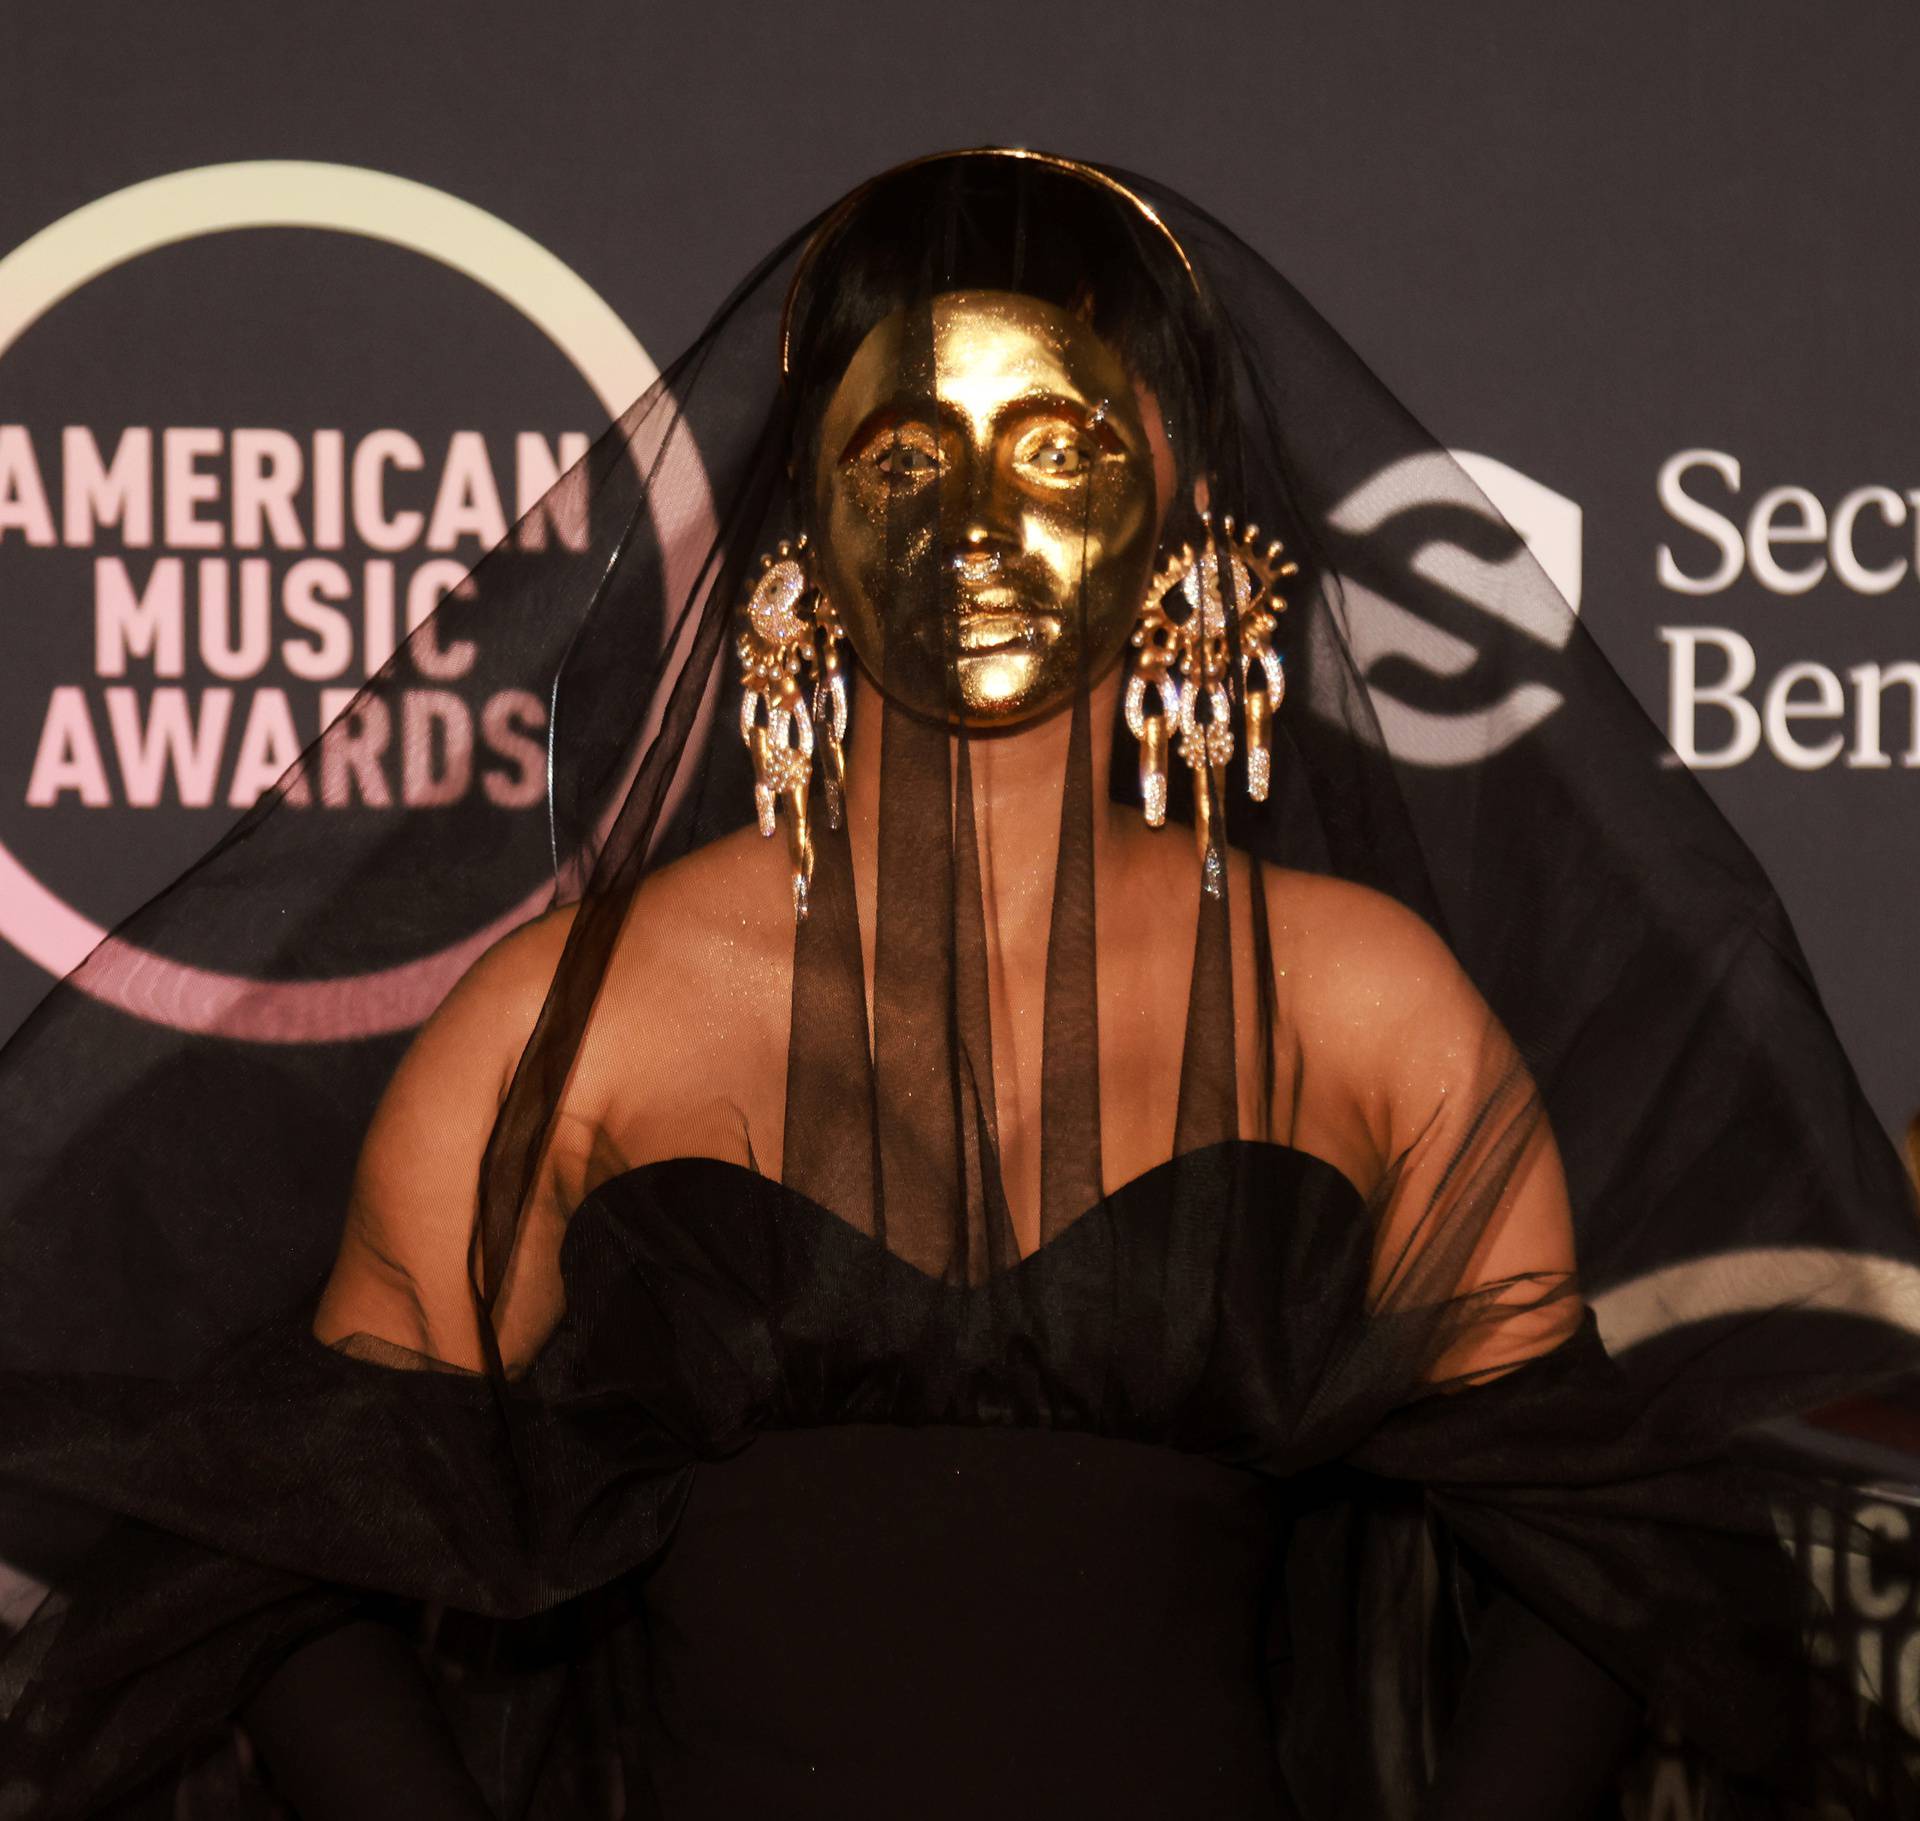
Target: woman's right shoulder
<point x="503" y="988"/>
<point x="717" y="917"/>
<point x="731" y="892"/>
<point x="402" y="1271"/>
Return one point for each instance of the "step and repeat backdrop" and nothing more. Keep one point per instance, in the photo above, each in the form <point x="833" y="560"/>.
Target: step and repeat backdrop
<point x="300" y="307"/>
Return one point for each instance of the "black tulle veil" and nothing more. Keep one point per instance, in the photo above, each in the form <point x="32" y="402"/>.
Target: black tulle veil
<point x="184" y="1112"/>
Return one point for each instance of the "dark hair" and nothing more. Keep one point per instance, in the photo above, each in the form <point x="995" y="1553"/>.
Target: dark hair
<point x="992" y="222"/>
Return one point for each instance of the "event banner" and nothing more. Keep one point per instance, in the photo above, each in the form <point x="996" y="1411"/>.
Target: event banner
<point x="303" y="310"/>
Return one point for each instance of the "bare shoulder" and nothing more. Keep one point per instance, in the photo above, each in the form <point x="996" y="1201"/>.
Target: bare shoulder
<point x="685" y="1049"/>
<point x="722" y="905"/>
<point x="1385" y="1006"/>
<point x="496" y="1001"/>
<point x="1349" y="945"/>
<point x="460" y="1061"/>
<point x="401" y="1274"/>
<point x="727" y="901"/>
<point x="1381" y="1002"/>
<point x="719" y="915"/>
<point x="703" y="955"/>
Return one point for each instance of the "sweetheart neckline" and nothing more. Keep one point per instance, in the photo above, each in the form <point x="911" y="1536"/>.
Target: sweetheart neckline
<point x="1027" y="1262"/>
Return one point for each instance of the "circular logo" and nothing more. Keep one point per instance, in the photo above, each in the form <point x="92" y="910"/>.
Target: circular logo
<point x="345" y="199"/>
<point x="1507" y="593"/>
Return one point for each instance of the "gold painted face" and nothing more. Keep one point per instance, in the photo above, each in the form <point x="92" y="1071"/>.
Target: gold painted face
<point x="989" y="553"/>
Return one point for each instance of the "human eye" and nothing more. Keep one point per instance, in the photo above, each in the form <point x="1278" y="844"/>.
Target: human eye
<point x="1056" y="452"/>
<point x="903" y="460"/>
<point x="898" y="451"/>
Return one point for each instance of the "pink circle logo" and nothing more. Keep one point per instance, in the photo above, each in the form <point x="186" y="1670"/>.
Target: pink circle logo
<point x="74" y="251"/>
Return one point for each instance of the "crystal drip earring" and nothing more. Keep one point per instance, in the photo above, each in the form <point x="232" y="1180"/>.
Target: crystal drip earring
<point x="790" y="669"/>
<point x="1182" y="675"/>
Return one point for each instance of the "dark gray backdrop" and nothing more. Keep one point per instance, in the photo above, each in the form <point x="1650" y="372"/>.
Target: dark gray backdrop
<point x="1577" y="240"/>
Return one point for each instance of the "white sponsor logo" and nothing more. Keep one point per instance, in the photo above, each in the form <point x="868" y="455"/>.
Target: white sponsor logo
<point x="1806" y="714"/>
<point x="1510" y="590"/>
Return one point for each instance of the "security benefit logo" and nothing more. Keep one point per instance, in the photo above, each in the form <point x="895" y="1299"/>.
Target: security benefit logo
<point x="1847" y="563"/>
<point x="203" y="563"/>
<point x="1432" y="583"/>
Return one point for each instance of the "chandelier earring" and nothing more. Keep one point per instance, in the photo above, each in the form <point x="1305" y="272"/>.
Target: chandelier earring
<point x="793" y="703"/>
<point x="1183" y="675"/>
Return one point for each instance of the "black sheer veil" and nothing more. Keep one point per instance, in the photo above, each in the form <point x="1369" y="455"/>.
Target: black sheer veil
<point x="1469" y="834"/>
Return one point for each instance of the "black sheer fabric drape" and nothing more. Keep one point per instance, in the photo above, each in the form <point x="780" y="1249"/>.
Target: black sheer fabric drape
<point x="1038" y="1118"/>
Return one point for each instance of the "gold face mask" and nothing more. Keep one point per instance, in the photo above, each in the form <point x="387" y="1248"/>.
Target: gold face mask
<point x="989" y="554"/>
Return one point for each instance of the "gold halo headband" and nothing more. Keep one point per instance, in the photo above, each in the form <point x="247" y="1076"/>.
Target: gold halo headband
<point x="1087" y="173"/>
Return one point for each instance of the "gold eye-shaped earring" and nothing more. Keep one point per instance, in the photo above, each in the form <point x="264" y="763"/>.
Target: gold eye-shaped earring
<point x="790" y="673"/>
<point x="1183" y="673"/>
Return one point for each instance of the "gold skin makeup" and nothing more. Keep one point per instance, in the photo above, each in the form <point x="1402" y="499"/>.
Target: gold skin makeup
<point x="987" y="547"/>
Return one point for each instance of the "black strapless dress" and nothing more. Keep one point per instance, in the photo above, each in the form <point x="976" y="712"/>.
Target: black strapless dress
<point x="871" y="1620"/>
<point x="989" y="1550"/>
<point x="780" y="1524"/>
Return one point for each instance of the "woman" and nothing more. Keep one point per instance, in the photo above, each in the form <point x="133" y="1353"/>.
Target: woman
<point x="913" y="1283"/>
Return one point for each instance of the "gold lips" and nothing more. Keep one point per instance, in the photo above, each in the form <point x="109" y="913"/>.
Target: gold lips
<point x="980" y="629"/>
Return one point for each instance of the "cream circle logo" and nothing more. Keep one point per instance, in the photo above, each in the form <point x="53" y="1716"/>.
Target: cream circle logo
<point x="185" y="205"/>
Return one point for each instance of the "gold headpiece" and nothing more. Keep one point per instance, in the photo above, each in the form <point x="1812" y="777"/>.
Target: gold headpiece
<point x="1087" y="173"/>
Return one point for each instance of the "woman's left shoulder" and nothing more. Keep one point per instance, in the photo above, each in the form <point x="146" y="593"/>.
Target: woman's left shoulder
<point x="1350" y="942"/>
